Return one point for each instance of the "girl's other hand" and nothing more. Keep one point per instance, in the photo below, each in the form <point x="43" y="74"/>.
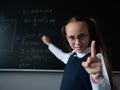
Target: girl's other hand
<point x="46" y="40"/>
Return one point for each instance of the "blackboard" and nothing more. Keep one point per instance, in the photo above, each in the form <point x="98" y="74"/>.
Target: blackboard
<point x="22" y="24"/>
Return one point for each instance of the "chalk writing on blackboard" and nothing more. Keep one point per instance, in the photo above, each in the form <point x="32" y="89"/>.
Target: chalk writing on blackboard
<point x="32" y="52"/>
<point x="20" y="39"/>
<point x="38" y="16"/>
<point x="7" y="33"/>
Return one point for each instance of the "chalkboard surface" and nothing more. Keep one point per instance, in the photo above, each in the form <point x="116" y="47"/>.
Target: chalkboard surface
<point x="22" y="24"/>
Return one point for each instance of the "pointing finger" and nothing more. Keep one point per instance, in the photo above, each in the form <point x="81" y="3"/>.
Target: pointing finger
<point x="93" y="49"/>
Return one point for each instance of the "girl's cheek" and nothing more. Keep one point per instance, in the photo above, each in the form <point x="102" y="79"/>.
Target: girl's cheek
<point x="72" y="46"/>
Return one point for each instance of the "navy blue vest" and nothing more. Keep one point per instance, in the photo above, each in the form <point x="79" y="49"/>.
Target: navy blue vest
<point x="75" y="76"/>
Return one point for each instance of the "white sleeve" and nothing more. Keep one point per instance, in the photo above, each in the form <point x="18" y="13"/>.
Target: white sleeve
<point x="59" y="53"/>
<point x="104" y="84"/>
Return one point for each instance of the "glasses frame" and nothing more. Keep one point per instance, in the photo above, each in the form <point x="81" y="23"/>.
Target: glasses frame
<point x="82" y="36"/>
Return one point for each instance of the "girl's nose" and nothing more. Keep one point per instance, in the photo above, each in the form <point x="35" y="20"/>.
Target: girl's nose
<point x="77" y="41"/>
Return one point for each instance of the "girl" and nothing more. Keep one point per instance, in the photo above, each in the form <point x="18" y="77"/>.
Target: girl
<point x="87" y="66"/>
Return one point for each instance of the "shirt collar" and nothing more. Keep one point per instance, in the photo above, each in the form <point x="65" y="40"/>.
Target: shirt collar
<point x="86" y="51"/>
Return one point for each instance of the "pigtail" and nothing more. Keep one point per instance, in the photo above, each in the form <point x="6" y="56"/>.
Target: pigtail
<point x="101" y="47"/>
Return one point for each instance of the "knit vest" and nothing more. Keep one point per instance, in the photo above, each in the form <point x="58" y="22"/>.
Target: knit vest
<point x="75" y="76"/>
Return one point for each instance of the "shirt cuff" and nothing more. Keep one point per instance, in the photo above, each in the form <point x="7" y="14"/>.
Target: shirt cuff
<point x="96" y="86"/>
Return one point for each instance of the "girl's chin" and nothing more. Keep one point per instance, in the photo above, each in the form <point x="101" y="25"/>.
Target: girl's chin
<point x="78" y="50"/>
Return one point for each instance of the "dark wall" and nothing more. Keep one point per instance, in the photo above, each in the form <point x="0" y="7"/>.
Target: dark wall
<point x="22" y="23"/>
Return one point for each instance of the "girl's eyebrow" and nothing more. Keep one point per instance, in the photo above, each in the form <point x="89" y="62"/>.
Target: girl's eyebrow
<point x="79" y="34"/>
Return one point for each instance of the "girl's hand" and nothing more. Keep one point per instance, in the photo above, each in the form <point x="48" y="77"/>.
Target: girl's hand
<point x="46" y="40"/>
<point x="93" y="65"/>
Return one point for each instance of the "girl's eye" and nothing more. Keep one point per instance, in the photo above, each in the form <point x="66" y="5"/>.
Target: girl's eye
<point x="82" y="36"/>
<point x="79" y="37"/>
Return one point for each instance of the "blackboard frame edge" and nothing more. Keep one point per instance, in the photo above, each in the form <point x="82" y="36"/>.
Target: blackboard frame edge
<point x="40" y="70"/>
<point x="31" y="70"/>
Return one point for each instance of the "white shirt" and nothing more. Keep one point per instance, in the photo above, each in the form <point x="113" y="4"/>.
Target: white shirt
<point x="64" y="57"/>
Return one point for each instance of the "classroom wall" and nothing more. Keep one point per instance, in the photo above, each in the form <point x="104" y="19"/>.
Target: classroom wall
<point x="29" y="81"/>
<point x="35" y="80"/>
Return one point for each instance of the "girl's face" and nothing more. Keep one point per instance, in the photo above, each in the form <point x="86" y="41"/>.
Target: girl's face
<point x="77" y="35"/>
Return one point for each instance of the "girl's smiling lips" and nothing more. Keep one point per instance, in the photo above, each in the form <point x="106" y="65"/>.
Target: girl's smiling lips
<point x="78" y="47"/>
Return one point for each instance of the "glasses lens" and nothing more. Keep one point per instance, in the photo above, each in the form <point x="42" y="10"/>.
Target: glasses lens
<point x="79" y="37"/>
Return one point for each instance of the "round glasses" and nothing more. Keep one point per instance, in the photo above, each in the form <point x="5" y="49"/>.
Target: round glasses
<point x="81" y="36"/>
